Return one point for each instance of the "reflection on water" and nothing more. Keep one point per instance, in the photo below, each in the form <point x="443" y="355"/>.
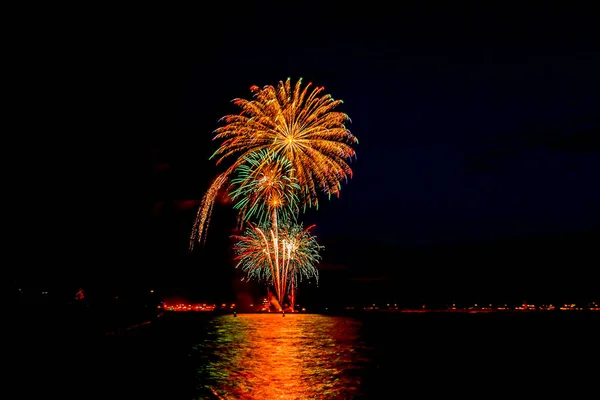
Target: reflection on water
<point x="267" y="356"/>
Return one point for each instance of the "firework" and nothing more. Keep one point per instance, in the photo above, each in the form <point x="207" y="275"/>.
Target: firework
<point x="265" y="188"/>
<point x="293" y="123"/>
<point x="205" y="209"/>
<point x="284" y="256"/>
<point x="297" y="123"/>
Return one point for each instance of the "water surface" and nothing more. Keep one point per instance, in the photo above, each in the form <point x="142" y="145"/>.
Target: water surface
<point x="267" y="356"/>
<point x="310" y="356"/>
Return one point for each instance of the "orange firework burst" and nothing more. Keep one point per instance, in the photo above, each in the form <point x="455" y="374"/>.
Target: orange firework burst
<point x="298" y="124"/>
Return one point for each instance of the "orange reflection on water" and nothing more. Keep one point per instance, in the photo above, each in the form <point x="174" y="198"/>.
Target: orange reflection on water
<point x="267" y="356"/>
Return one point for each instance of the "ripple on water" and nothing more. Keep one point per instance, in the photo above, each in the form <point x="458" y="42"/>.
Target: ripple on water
<point x="265" y="356"/>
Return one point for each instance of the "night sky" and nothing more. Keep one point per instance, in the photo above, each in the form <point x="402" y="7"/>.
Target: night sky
<point x="477" y="170"/>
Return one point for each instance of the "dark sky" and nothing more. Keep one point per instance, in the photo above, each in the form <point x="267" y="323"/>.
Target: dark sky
<point x="477" y="168"/>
